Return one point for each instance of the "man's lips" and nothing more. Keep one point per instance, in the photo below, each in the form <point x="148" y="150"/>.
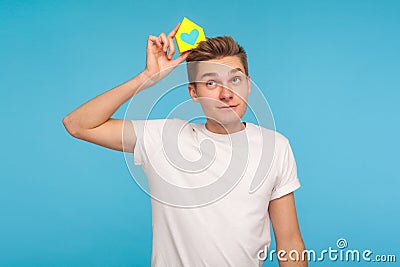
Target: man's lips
<point x="227" y="107"/>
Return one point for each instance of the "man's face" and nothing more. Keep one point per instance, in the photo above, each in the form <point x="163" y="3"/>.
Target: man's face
<point x="222" y="88"/>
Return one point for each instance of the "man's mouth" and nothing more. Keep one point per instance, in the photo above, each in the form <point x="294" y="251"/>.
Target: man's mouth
<point x="228" y="107"/>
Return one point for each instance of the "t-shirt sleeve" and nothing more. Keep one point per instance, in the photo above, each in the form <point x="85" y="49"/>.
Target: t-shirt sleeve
<point x="148" y="139"/>
<point x="287" y="180"/>
<point x="139" y="153"/>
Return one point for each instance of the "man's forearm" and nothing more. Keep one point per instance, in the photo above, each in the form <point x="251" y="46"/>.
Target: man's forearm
<point x="292" y="254"/>
<point x="99" y="109"/>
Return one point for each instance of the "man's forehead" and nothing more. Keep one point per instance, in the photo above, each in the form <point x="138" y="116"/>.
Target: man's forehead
<point x="218" y="69"/>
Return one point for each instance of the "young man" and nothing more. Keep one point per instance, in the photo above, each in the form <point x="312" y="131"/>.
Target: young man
<point x="230" y="227"/>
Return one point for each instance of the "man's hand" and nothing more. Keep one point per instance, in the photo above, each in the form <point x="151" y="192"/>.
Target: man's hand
<point x="159" y="62"/>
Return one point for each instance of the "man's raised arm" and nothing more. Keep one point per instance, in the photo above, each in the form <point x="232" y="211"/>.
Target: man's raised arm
<point x="92" y="121"/>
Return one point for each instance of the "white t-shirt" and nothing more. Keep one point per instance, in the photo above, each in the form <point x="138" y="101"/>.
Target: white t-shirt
<point x="198" y="228"/>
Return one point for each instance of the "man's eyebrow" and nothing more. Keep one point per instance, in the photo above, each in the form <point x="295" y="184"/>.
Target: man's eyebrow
<point x="236" y="70"/>
<point x="208" y="74"/>
<point x="213" y="74"/>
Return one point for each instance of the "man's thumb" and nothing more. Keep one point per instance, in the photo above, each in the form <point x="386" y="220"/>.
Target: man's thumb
<point x="181" y="57"/>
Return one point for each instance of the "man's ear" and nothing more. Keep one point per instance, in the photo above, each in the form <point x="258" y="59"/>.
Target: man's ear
<point x="249" y="83"/>
<point x="193" y="93"/>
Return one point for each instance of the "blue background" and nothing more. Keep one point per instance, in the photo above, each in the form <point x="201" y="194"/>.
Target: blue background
<point x="329" y="69"/>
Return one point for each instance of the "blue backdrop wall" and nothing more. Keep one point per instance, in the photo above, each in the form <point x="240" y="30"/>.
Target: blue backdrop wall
<point x="329" y="69"/>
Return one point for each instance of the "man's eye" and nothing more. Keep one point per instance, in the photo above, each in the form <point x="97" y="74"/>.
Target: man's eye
<point x="236" y="79"/>
<point x="211" y="83"/>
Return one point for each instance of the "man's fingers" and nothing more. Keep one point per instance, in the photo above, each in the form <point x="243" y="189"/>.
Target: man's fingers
<point x="171" y="48"/>
<point x="181" y="57"/>
<point x="153" y="40"/>
<point x="164" y="41"/>
<point x="173" y="32"/>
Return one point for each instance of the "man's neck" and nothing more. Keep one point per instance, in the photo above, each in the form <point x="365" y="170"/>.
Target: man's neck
<point x="218" y="128"/>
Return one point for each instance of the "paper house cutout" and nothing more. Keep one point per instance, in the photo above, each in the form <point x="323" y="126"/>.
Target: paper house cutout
<point x="188" y="35"/>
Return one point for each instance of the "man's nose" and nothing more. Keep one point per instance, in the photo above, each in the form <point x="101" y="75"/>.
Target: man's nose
<point x="225" y="93"/>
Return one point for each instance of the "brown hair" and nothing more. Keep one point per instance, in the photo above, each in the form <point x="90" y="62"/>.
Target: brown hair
<point x="218" y="47"/>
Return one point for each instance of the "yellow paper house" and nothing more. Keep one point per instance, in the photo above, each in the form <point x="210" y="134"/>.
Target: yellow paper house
<point x="189" y="35"/>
